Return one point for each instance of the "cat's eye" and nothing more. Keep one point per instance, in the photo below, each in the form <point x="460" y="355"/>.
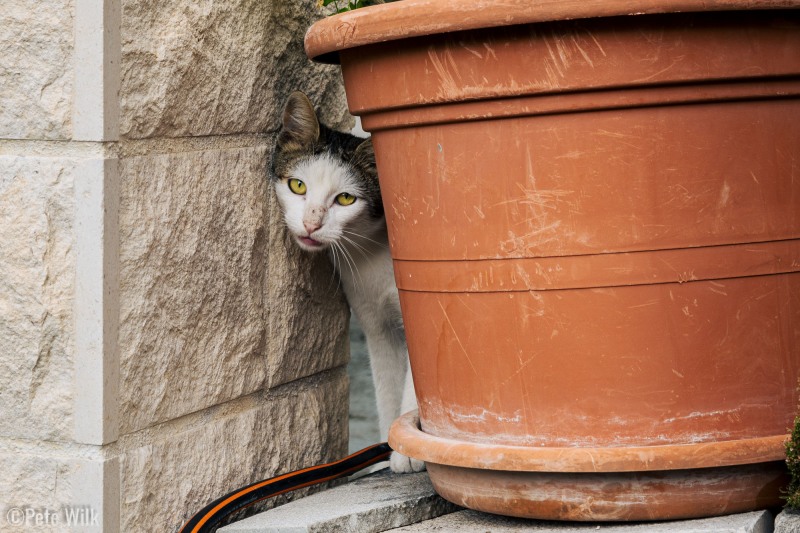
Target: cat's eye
<point x="297" y="186"/>
<point x="345" y="199"/>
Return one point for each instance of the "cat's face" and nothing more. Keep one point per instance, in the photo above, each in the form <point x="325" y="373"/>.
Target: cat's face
<point x="325" y="181"/>
<point x="323" y="202"/>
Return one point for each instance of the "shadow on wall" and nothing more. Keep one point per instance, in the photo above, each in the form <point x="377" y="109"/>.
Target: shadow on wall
<point x="363" y="412"/>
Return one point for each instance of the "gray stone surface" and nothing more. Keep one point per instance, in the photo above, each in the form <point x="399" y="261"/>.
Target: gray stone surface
<point x="37" y="274"/>
<point x="36" y="69"/>
<point x="216" y="67"/>
<point x="173" y="474"/>
<point x="787" y="521"/>
<point x="475" y="522"/>
<point x="377" y="502"/>
<point x="363" y="410"/>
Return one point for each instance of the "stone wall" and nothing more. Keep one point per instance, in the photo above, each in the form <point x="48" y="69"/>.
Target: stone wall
<point x="160" y="341"/>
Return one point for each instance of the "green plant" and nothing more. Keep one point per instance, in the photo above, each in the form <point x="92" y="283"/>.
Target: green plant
<point x="344" y="5"/>
<point x="793" y="464"/>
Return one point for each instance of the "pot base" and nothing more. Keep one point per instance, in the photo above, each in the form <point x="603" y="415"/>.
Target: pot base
<point x="613" y="496"/>
<point x="612" y="484"/>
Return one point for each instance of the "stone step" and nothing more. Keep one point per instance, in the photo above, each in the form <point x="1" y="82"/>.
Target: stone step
<point x="476" y="522"/>
<point x="407" y="503"/>
<point x="373" y="503"/>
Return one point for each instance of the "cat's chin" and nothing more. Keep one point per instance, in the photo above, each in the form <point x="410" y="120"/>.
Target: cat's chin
<point x="310" y="245"/>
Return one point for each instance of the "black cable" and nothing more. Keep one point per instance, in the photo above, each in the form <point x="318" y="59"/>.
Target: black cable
<point x="210" y="516"/>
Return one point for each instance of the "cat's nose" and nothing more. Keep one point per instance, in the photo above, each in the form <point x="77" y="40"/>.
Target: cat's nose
<point x="311" y="227"/>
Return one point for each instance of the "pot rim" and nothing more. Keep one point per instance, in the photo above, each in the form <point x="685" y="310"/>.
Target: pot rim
<point x="406" y="437"/>
<point x="416" y="18"/>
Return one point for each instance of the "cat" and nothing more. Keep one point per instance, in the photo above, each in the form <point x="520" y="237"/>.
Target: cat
<point x="326" y="182"/>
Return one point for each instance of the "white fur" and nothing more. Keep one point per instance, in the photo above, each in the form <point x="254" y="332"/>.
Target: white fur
<point x="359" y="249"/>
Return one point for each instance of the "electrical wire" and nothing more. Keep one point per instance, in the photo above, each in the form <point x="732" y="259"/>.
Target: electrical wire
<point x="210" y="516"/>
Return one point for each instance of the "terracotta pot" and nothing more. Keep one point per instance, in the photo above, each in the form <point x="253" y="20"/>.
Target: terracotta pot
<point x="595" y="222"/>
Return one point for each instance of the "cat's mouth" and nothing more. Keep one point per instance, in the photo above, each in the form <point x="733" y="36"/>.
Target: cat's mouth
<point x="310" y="243"/>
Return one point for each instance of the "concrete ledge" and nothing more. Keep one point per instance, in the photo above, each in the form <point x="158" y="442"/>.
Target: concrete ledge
<point x="373" y="503"/>
<point x="475" y="522"/>
<point x="407" y="503"/>
<point x="787" y="521"/>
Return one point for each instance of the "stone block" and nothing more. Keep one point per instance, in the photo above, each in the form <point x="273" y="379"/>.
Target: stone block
<point x="215" y="67"/>
<point x="371" y="504"/>
<point x="35" y="488"/>
<point x="166" y="480"/>
<point x="214" y="304"/>
<point x="193" y="260"/>
<point x="788" y="521"/>
<point x="58" y="488"/>
<point x="36" y="69"/>
<point x="476" y="522"/>
<point x="37" y="274"/>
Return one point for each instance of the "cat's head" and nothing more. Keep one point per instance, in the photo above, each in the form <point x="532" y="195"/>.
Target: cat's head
<point x="326" y="181"/>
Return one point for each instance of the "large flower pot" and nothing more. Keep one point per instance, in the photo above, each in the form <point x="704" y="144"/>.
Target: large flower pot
<point x="594" y="215"/>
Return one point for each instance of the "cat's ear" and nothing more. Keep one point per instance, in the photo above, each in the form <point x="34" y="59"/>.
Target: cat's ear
<point x="299" y="126"/>
<point x="364" y="158"/>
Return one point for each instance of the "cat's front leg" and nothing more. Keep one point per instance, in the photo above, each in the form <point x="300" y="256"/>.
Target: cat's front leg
<point x="394" y="388"/>
<point x="399" y="462"/>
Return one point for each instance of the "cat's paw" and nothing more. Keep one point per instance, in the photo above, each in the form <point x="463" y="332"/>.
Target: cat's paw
<point x="400" y="464"/>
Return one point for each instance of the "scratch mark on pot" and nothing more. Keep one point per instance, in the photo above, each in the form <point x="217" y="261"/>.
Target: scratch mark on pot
<point x="582" y="52"/>
<point x="764" y="295"/>
<point x="724" y="195"/>
<point x="546" y="198"/>
<point x="717" y="290"/>
<point x="519" y="370"/>
<point x="481" y="416"/>
<point x="458" y="340"/>
<point x="345" y="31"/>
<point x="697" y="414"/>
<point x="620" y="269"/>
<point x="526" y="242"/>
<point x="448" y="81"/>
<point x="471" y="51"/>
<point x="596" y="42"/>
<point x="646" y="304"/>
<point x="591" y="458"/>
<point x="573" y="154"/>
<point x="555" y="62"/>
<point x="677" y="60"/>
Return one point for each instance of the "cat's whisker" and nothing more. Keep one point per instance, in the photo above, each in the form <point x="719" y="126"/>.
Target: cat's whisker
<point x="335" y="273"/>
<point x="361" y="249"/>
<point x="360" y="236"/>
<point x="340" y="257"/>
<point x="354" y="274"/>
<point x="352" y="261"/>
<point x="355" y="265"/>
